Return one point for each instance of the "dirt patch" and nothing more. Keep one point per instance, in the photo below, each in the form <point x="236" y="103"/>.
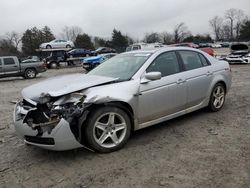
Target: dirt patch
<point x="200" y="149"/>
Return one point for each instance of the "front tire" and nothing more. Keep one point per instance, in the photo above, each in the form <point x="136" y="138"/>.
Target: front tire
<point x="108" y="129"/>
<point x="217" y="97"/>
<point x="48" y="47"/>
<point x="30" y="73"/>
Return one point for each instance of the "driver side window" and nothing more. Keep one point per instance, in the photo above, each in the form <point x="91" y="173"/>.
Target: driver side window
<point x="166" y="63"/>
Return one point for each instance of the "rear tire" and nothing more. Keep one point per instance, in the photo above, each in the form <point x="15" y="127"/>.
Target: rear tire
<point x="68" y="46"/>
<point x="217" y="97"/>
<point x="108" y="129"/>
<point x="30" y="73"/>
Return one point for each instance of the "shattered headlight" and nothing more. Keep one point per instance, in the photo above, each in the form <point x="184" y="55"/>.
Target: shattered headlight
<point x="69" y="106"/>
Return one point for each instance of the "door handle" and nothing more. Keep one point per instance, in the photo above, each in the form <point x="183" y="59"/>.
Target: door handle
<point x="180" y="81"/>
<point x="15" y="66"/>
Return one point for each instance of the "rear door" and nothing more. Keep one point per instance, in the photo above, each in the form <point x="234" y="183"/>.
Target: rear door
<point x="10" y="65"/>
<point x="198" y="76"/>
<point x="166" y="96"/>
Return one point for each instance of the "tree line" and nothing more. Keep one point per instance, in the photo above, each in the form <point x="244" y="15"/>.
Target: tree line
<point x="234" y="26"/>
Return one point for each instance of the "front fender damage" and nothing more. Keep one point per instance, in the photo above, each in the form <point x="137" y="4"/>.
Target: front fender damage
<point x="44" y="118"/>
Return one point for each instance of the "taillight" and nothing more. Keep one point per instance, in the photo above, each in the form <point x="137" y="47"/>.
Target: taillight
<point x="44" y="65"/>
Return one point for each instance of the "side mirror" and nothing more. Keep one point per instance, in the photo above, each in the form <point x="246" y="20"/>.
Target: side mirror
<point x="151" y="76"/>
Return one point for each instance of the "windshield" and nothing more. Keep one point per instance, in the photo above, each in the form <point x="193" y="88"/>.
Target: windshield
<point x="123" y="66"/>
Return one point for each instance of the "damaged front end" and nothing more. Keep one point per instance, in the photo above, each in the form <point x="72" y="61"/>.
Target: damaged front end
<point x="239" y="54"/>
<point x="52" y="123"/>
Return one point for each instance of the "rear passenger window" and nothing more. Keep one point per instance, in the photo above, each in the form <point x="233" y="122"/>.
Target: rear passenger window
<point x="8" y="61"/>
<point x="166" y="63"/>
<point x="203" y="60"/>
<point x="0" y="61"/>
<point x="191" y="60"/>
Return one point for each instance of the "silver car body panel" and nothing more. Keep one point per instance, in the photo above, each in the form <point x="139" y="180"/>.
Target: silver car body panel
<point x="151" y="102"/>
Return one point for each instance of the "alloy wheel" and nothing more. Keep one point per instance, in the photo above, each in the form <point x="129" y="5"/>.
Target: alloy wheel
<point x="218" y="97"/>
<point x="110" y="130"/>
<point x="30" y="73"/>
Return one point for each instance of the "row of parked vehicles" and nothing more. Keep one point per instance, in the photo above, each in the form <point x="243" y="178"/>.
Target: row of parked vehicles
<point x="53" y="57"/>
<point x="62" y="53"/>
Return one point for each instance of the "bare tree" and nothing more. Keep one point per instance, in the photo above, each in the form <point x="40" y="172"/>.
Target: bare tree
<point x="216" y="24"/>
<point x="70" y="33"/>
<point x="225" y="32"/>
<point x="166" y="38"/>
<point x="231" y="16"/>
<point x="240" y="17"/>
<point x="151" y="37"/>
<point x="14" y="38"/>
<point x="180" y="32"/>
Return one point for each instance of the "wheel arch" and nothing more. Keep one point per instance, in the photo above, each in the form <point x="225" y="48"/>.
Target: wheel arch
<point x="223" y="83"/>
<point x="33" y="68"/>
<point x="48" y="46"/>
<point x="220" y="79"/>
<point x="216" y="82"/>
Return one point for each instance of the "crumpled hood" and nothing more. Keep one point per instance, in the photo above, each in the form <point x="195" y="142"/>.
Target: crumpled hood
<point x="63" y="85"/>
<point x="239" y="48"/>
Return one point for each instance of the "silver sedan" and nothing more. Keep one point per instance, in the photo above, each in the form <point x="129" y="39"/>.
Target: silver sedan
<point x="131" y="91"/>
<point x="57" y="44"/>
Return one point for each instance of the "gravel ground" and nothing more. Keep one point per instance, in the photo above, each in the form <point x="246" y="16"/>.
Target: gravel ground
<point x="201" y="149"/>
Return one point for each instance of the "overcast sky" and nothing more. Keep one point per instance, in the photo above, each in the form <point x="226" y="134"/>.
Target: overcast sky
<point x="99" y="17"/>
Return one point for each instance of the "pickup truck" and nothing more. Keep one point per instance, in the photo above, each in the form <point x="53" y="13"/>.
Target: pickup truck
<point x="11" y="66"/>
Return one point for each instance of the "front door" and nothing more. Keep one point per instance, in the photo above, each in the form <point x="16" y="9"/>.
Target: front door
<point x="10" y="65"/>
<point x="166" y="96"/>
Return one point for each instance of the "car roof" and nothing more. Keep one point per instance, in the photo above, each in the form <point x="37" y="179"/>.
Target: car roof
<point x="166" y="48"/>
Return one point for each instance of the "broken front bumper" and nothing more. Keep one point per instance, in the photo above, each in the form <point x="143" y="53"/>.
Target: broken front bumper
<point x="60" y="138"/>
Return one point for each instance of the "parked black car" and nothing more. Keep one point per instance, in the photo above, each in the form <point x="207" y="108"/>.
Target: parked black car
<point x="78" y="52"/>
<point x="55" y="58"/>
<point x="104" y="50"/>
